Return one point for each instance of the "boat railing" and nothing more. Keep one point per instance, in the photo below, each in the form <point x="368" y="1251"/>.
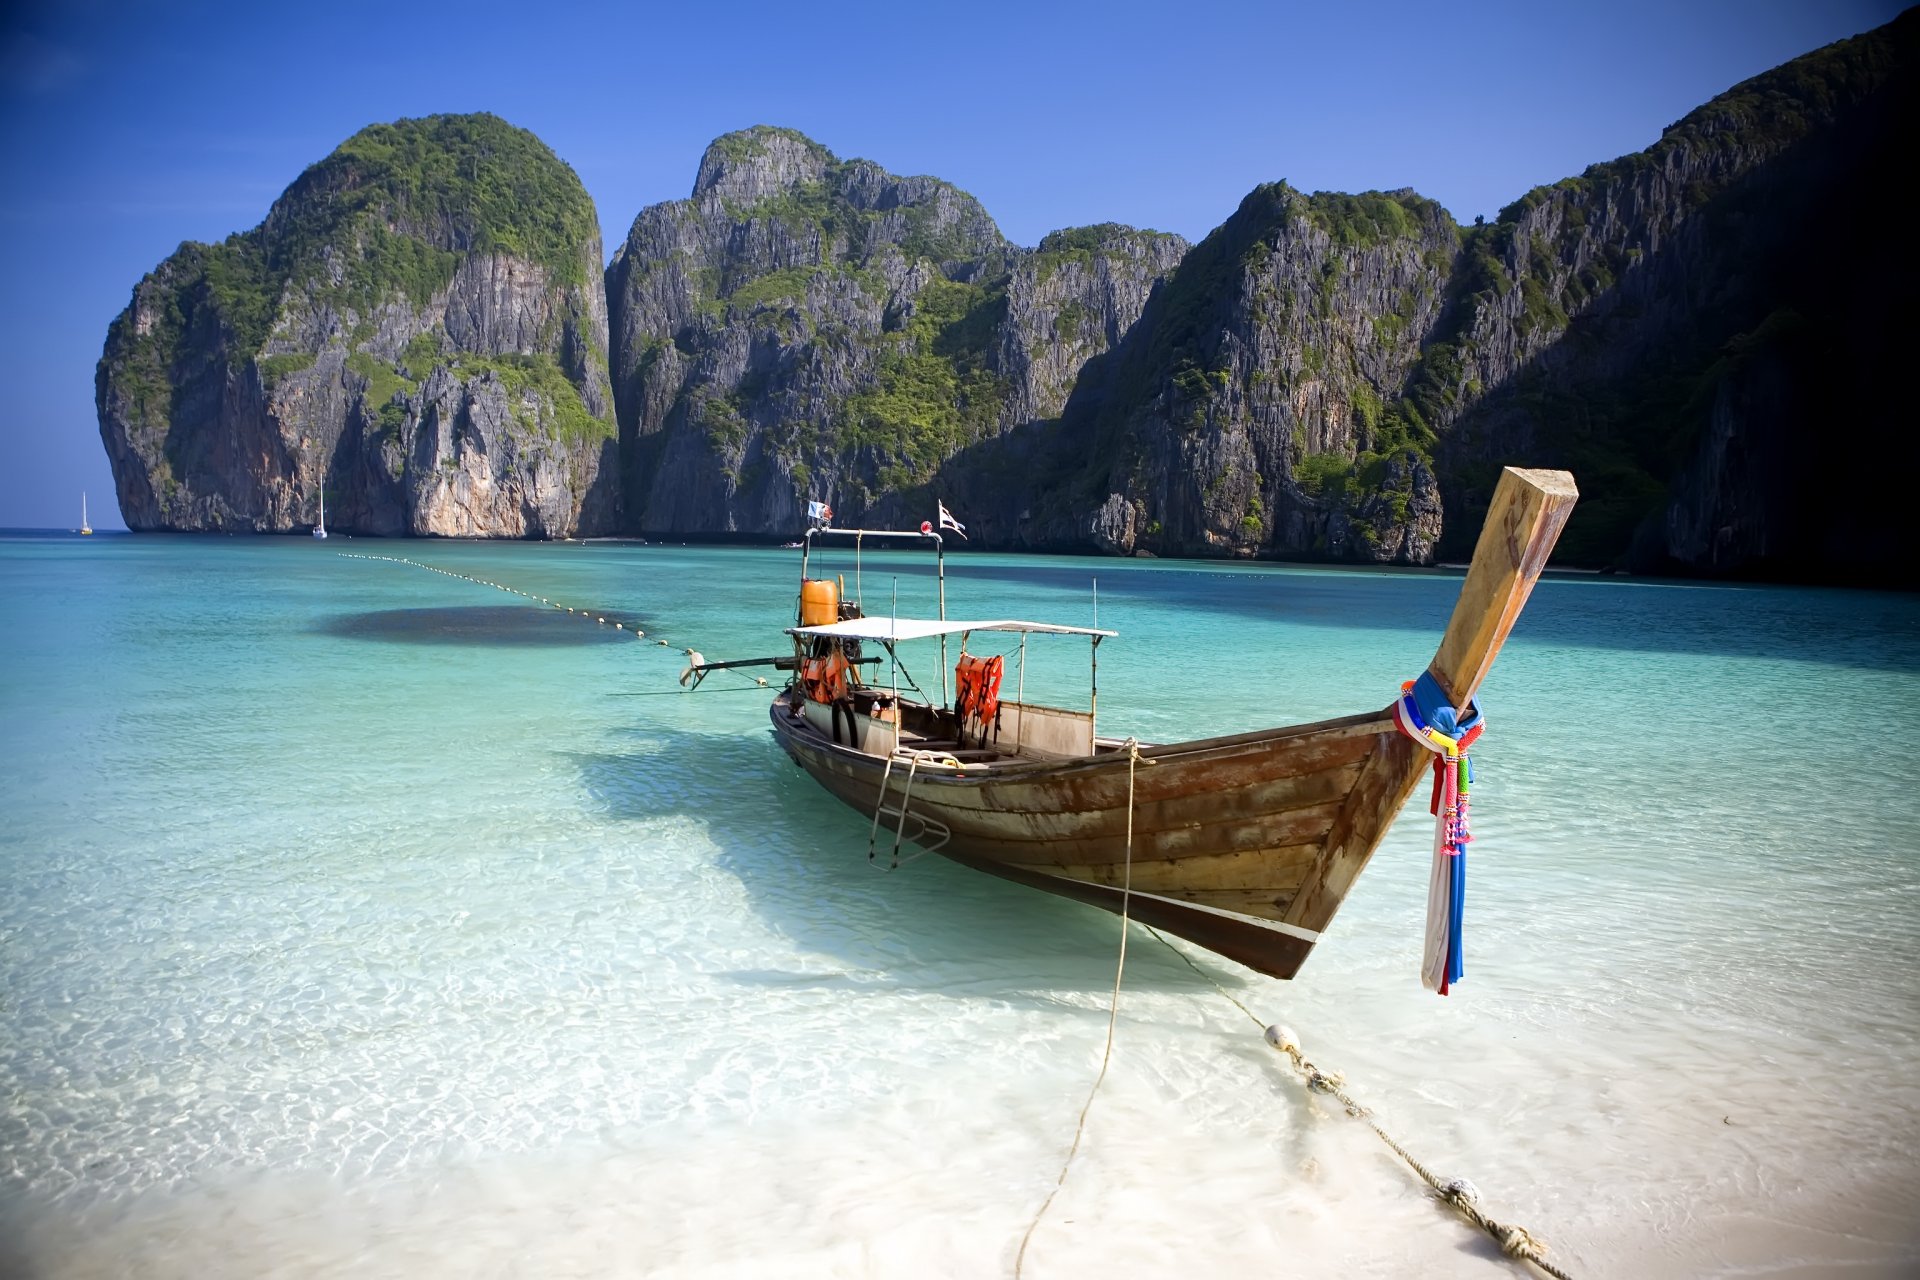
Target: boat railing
<point x="859" y="537"/>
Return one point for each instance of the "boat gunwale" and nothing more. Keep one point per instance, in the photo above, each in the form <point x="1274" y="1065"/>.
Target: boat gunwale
<point x="1365" y="724"/>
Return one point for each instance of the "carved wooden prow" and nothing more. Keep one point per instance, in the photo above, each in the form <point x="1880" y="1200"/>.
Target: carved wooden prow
<point x="1529" y="509"/>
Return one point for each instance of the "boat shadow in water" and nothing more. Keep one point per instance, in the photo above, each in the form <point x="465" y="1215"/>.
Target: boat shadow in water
<point x="801" y="860"/>
<point x="493" y="626"/>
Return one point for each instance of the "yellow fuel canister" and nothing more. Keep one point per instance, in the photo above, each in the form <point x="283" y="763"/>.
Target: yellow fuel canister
<point x="819" y="602"/>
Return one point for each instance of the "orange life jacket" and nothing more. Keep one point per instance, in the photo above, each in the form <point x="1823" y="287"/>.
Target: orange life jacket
<point x="825" y="678"/>
<point x="977" y="690"/>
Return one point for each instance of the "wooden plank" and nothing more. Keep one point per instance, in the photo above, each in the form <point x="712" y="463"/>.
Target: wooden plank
<point x="1386" y="782"/>
<point x="1227" y="799"/>
<point x="1080" y="790"/>
<point x="1361" y="726"/>
<point x="1245" y="941"/>
<point x="1298" y="826"/>
<point x="1165" y="796"/>
<point x="1268" y="904"/>
<point x="1529" y="510"/>
<point x="1272" y="867"/>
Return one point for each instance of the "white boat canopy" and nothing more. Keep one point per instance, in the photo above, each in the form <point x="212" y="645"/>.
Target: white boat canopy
<point x="893" y="630"/>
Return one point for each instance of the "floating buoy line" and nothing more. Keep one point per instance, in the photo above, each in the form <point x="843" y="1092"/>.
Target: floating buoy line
<point x="1515" y="1242"/>
<point x="596" y="616"/>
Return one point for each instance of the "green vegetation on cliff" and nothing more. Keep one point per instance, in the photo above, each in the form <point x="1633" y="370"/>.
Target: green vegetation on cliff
<point x="868" y="304"/>
<point x="929" y="223"/>
<point x="544" y="397"/>
<point x="241" y="368"/>
<point x="1187" y="351"/>
<point x="1370" y="218"/>
<point x="743" y="144"/>
<point x="395" y="208"/>
<point x="1084" y="244"/>
<point x="932" y="392"/>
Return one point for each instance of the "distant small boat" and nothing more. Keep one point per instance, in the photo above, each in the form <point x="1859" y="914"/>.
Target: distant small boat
<point x="320" y="530"/>
<point x="86" y="529"/>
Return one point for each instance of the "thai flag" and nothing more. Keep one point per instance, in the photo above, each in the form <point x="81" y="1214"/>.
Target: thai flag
<point x="820" y="511"/>
<point x="948" y="522"/>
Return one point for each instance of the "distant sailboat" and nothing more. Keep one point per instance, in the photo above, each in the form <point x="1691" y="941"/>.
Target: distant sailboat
<point x="85" y="528"/>
<point x="320" y="530"/>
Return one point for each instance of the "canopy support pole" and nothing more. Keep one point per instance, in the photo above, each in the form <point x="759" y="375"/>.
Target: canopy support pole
<point x="1023" y="674"/>
<point x="1093" y="706"/>
<point x="940" y="564"/>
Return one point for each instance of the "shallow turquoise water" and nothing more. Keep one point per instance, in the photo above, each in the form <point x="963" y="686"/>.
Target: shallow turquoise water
<point x="353" y="916"/>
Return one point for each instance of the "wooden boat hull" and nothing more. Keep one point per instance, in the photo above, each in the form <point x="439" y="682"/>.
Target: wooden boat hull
<point x="1229" y="835"/>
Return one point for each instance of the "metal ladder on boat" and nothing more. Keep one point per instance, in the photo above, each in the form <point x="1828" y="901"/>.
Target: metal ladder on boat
<point x="930" y="834"/>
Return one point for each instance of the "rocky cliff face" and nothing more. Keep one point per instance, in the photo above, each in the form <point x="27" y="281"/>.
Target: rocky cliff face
<point x="1707" y="333"/>
<point x="804" y="328"/>
<point x="1247" y="413"/>
<point x="417" y="326"/>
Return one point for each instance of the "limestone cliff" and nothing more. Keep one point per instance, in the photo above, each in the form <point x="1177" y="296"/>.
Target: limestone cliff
<point x="1708" y="333"/>
<point x="1247" y="414"/>
<point x="417" y="326"/>
<point x="805" y="328"/>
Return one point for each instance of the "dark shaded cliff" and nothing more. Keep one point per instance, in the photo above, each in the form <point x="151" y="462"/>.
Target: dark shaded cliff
<point x="417" y="326"/>
<point x="1710" y="331"/>
<point x="1703" y="332"/>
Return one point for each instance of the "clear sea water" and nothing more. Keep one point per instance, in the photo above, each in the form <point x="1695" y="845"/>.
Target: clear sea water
<point x="362" y="921"/>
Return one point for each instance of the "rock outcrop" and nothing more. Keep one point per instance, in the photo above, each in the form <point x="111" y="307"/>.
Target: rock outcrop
<point x="417" y="326"/>
<point x="809" y="329"/>
<point x="1249" y="411"/>
<point x="1706" y="332"/>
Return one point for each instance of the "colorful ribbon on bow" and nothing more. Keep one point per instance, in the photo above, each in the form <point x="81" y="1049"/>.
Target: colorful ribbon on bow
<point x="1423" y="713"/>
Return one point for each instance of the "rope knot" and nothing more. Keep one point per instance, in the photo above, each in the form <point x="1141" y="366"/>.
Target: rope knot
<point x="1515" y="1242"/>
<point x="1324" y="1081"/>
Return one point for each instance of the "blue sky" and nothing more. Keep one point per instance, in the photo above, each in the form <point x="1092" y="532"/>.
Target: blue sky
<point x="127" y="128"/>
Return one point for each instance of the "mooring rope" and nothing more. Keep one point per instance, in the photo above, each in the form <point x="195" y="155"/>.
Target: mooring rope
<point x="598" y="617"/>
<point x="1515" y="1241"/>
<point x="1113" y="1018"/>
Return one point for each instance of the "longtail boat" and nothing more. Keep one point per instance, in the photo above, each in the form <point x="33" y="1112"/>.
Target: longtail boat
<point x="1245" y="844"/>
